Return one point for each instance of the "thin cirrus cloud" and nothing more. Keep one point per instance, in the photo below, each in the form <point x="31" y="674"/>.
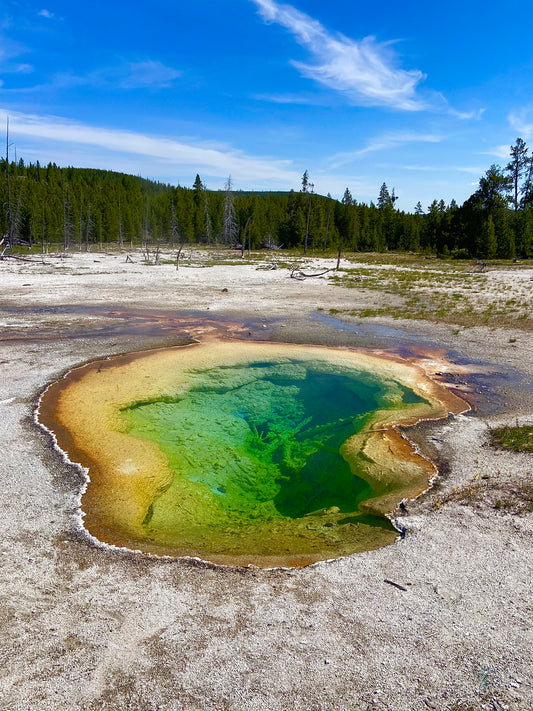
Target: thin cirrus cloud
<point x="8" y="67"/>
<point x="301" y="99"/>
<point x="522" y="122"/>
<point x="46" y="13"/>
<point x="152" y="152"/>
<point x="148" y="74"/>
<point x="386" y="142"/>
<point x="10" y="50"/>
<point x="476" y="114"/>
<point x="502" y="152"/>
<point x="365" y="71"/>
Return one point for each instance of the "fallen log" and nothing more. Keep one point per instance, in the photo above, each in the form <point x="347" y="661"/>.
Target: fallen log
<point x="298" y="274"/>
<point x="20" y="259"/>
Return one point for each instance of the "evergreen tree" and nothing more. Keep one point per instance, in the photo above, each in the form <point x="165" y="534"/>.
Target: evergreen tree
<point x="487" y="244"/>
<point x="527" y="188"/>
<point x="516" y="169"/>
<point x="505" y="236"/>
<point x="384" y="200"/>
<point x="526" y="246"/>
<point x="347" y="198"/>
<point x="493" y="189"/>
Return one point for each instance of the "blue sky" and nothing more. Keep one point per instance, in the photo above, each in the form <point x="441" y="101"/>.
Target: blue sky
<point x="422" y="96"/>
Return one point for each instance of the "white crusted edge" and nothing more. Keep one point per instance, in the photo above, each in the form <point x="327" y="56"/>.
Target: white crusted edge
<point x="84" y="471"/>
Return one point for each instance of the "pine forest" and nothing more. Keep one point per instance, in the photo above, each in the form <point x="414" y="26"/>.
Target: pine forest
<point x="75" y="208"/>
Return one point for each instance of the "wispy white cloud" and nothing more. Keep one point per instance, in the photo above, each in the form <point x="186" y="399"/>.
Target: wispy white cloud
<point x="10" y="68"/>
<point x="296" y="99"/>
<point x="10" y="50"/>
<point x="385" y="142"/>
<point x="365" y="70"/>
<point x="421" y="168"/>
<point x="148" y="74"/>
<point x="438" y="168"/>
<point x="474" y="114"/>
<point x="46" y="13"/>
<point x="522" y="122"/>
<point x="153" y="154"/>
<point x="497" y="151"/>
<point x="475" y="169"/>
<point x="22" y="68"/>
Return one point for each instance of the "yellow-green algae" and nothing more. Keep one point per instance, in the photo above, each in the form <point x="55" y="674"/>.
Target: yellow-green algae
<point x="240" y="453"/>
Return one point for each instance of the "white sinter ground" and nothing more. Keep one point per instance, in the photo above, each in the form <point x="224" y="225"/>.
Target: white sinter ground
<point x="89" y="628"/>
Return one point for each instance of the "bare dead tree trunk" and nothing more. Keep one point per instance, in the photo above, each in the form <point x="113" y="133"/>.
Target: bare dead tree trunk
<point x="311" y="185"/>
<point x="8" y="206"/>
<point x="230" y="228"/>
<point x="178" y="256"/>
<point x="246" y="227"/>
<point x="173" y="224"/>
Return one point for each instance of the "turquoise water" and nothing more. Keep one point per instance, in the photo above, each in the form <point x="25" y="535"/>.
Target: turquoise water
<point x="261" y="442"/>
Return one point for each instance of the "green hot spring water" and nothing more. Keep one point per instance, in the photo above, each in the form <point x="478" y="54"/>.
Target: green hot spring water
<point x="260" y="445"/>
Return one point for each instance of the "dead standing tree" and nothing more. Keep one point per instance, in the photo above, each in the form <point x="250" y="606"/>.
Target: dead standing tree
<point x="173" y="224"/>
<point x="247" y="230"/>
<point x="8" y="239"/>
<point x="310" y="200"/>
<point x="68" y="227"/>
<point x="230" y="229"/>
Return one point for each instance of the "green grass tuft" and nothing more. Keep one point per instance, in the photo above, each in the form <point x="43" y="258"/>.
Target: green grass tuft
<point x="515" y="439"/>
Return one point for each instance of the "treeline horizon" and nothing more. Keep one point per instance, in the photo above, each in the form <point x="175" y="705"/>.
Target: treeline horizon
<point x="81" y="207"/>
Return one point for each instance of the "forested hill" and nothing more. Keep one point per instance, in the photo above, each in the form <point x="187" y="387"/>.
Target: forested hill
<point x="76" y="207"/>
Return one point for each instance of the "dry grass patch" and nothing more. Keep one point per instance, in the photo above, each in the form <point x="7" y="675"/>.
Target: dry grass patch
<point x="441" y="292"/>
<point x="502" y="491"/>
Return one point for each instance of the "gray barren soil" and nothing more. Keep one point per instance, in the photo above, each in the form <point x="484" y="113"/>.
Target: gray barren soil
<point x="86" y="627"/>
